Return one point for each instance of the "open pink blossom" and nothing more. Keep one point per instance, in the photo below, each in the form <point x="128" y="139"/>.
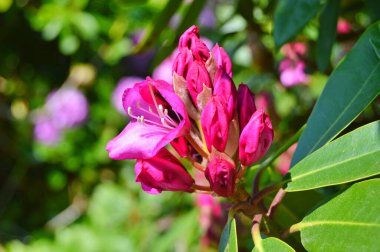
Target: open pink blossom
<point x="158" y="116"/>
<point x="293" y="73"/>
<point x="122" y="85"/>
<point x="162" y="172"/>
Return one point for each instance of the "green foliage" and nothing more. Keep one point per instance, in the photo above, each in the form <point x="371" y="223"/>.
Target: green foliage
<point x="291" y="17"/>
<point x="351" y="157"/>
<point x="351" y="220"/>
<point x="228" y="239"/>
<point x="351" y="87"/>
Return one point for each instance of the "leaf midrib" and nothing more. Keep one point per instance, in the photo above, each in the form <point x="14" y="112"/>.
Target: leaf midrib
<point x="308" y="224"/>
<point x="332" y="165"/>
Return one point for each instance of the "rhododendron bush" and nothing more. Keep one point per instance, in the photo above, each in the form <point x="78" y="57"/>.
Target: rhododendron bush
<point x="244" y="125"/>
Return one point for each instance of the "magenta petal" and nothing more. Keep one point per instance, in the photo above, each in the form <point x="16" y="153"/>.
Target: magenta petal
<point x="137" y="140"/>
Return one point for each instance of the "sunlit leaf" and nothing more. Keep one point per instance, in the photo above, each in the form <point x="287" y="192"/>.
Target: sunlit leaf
<point x="273" y="244"/>
<point x="351" y="157"/>
<point x="348" y="222"/>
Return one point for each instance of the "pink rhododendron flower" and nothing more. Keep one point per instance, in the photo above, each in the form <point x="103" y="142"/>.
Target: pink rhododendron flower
<point x="292" y="67"/>
<point x="199" y="116"/>
<point x="162" y="172"/>
<point x="293" y="73"/>
<point x="158" y="116"/>
<point x="343" y="26"/>
<point x="45" y="131"/>
<point x="123" y="84"/>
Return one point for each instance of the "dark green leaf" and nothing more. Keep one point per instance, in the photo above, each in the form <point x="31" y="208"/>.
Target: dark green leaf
<point x="348" y="222"/>
<point x="228" y="239"/>
<point x="327" y="33"/>
<point x="273" y="244"/>
<point x="351" y="157"/>
<point x="290" y="18"/>
<point x="352" y="86"/>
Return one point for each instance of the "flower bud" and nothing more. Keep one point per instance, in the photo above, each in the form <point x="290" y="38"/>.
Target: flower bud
<point x="162" y="172"/>
<point x="256" y="138"/>
<point x="225" y="89"/>
<point x="190" y="39"/>
<point x="196" y="79"/>
<point x="221" y="174"/>
<point x="182" y="62"/>
<point x="245" y="105"/>
<point x="222" y="60"/>
<point x="214" y="121"/>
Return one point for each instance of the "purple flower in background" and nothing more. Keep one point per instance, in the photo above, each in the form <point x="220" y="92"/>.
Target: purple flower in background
<point x="207" y="17"/>
<point x="67" y="107"/>
<point x="64" y="108"/>
<point x="45" y="131"/>
<point x="123" y="84"/>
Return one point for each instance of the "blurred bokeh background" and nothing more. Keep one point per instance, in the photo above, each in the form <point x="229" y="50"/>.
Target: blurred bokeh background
<point x="63" y="67"/>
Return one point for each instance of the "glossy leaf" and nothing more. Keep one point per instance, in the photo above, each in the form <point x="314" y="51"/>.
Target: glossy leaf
<point x="348" y="222"/>
<point x="228" y="239"/>
<point x="290" y="18"/>
<point x="351" y="157"/>
<point x="273" y="244"/>
<point x="352" y="86"/>
<point x="327" y="33"/>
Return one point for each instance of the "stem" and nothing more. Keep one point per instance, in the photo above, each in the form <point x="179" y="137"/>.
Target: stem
<point x="255" y="231"/>
<point x="276" y="201"/>
<point x="197" y="147"/>
<point x="198" y="166"/>
<point x="201" y="188"/>
<point x="256" y="198"/>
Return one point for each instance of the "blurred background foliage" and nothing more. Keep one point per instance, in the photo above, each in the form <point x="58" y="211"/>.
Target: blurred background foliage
<point x="70" y="196"/>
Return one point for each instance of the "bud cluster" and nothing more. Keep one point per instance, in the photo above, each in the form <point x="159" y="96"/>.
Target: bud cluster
<point x="200" y="123"/>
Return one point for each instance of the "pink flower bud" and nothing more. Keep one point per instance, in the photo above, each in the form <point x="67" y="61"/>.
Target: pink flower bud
<point x="190" y="39"/>
<point x="222" y="60"/>
<point x="214" y="121"/>
<point x="196" y="78"/>
<point x="221" y="174"/>
<point x="182" y="62"/>
<point x="245" y="105"/>
<point x="225" y="89"/>
<point x="256" y="138"/>
<point x="162" y="172"/>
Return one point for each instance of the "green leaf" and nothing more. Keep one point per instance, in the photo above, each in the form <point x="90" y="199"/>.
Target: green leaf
<point x="273" y="244"/>
<point x="351" y="157"/>
<point x="327" y="33"/>
<point x="348" y="222"/>
<point x="158" y="25"/>
<point x="290" y="18"/>
<point x="352" y="86"/>
<point x="228" y="239"/>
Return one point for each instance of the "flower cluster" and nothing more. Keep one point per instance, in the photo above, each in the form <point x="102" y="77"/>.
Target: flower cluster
<point x="64" y="108"/>
<point x="200" y="122"/>
<point x="292" y="67"/>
